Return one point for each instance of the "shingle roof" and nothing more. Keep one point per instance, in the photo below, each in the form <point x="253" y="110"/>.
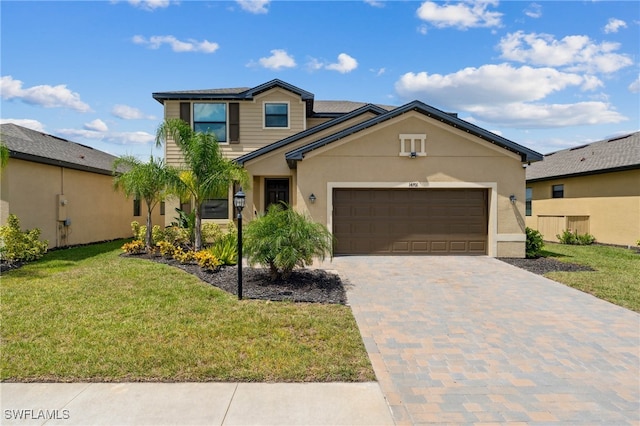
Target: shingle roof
<point x="604" y="156"/>
<point x="341" y="107"/>
<point x="30" y="145"/>
<point x="366" y="108"/>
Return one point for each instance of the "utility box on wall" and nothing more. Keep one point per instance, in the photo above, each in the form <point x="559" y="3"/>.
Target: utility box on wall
<point x="62" y="207"/>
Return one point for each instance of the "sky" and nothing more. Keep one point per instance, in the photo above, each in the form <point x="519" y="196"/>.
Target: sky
<point x="545" y="74"/>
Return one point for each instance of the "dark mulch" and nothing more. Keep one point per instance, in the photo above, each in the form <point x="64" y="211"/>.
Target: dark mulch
<point x="543" y="265"/>
<point x="304" y="285"/>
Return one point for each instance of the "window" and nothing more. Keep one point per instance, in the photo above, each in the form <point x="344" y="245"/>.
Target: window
<point x="136" y="207"/>
<point x="212" y="118"/>
<point x="276" y="115"/>
<point x="557" y="191"/>
<point x="162" y="208"/>
<point x="528" y="197"/>
<point x="216" y="208"/>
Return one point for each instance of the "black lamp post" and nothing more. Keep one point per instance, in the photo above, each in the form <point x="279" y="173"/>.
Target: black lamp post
<point x="238" y="202"/>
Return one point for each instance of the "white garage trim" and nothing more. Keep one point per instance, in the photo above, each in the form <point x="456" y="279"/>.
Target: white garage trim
<point x="519" y="238"/>
<point x="492" y="235"/>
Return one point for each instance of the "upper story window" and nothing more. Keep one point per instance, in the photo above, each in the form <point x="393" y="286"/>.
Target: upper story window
<point x="212" y="118"/>
<point x="557" y="191"/>
<point x="276" y="114"/>
<point x="528" y="198"/>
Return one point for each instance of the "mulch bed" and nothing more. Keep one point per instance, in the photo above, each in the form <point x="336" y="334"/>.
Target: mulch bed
<point x="543" y="265"/>
<point x="304" y="285"/>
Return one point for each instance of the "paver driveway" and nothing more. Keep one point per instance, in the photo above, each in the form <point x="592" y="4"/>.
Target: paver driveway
<point x="473" y="340"/>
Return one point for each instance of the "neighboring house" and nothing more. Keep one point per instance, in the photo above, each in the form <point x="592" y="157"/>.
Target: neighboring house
<point x="65" y="189"/>
<point x="592" y="188"/>
<point x="384" y="180"/>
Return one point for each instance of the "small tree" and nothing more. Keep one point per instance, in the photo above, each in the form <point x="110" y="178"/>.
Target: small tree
<point x="283" y="239"/>
<point x="4" y="155"/>
<point x="205" y="173"/>
<point x="146" y="181"/>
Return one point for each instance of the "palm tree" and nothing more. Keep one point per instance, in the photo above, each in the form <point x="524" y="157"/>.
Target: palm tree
<point x="144" y="181"/>
<point x="205" y="173"/>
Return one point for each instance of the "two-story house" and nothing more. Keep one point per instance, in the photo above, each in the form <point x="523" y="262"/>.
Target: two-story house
<point x="384" y="180"/>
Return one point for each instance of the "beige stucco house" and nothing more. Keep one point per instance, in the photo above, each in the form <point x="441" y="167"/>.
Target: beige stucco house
<point x="65" y="189"/>
<point x="593" y="188"/>
<point x="384" y="180"/>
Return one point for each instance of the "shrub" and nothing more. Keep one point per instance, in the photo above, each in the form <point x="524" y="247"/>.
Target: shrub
<point x="534" y="243"/>
<point x="134" y="247"/>
<point x="211" y="232"/>
<point x="137" y="230"/>
<point x="19" y="246"/>
<point x="206" y="260"/>
<point x="283" y="239"/>
<point x="573" y="238"/>
<point x="184" y="256"/>
<point x="166" y="248"/>
<point x="226" y="249"/>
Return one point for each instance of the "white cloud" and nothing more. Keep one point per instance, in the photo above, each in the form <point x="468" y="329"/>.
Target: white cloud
<point x="503" y="94"/>
<point x="378" y="72"/>
<point x="279" y="59"/>
<point x="150" y="5"/>
<point x="462" y="15"/>
<point x="614" y="25"/>
<point x="43" y="95"/>
<point x="344" y="65"/>
<point x="96" y="125"/>
<point x="130" y="113"/>
<point x="155" y="42"/>
<point x="577" y="52"/>
<point x="118" y="138"/>
<point x="254" y="6"/>
<point x="634" y="87"/>
<point x="527" y="115"/>
<point x="130" y="138"/>
<point x="422" y="29"/>
<point x="534" y="10"/>
<point x="499" y="83"/>
<point x="374" y="3"/>
<point x="24" y="122"/>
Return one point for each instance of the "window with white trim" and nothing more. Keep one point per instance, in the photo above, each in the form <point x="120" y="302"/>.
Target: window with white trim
<point x="413" y="145"/>
<point x="276" y="114"/>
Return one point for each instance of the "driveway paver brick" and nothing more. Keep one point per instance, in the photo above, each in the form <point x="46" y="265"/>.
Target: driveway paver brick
<point x="473" y="340"/>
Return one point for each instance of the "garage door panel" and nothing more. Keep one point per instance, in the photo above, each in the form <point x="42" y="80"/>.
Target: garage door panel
<point x="401" y="221"/>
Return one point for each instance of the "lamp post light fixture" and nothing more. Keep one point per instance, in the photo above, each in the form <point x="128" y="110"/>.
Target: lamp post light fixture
<point x="239" y="202"/>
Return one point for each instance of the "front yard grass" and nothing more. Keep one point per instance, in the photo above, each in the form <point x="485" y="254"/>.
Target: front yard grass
<point x="616" y="277"/>
<point x="88" y="314"/>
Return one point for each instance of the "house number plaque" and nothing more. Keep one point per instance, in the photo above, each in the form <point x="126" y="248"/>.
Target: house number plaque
<point x="414" y="184"/>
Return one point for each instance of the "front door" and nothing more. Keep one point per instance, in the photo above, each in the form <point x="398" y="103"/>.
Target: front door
<point x="276" y="191"/>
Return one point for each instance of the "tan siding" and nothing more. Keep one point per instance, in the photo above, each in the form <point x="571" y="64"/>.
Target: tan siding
<point x="313" y="122"/>
<point x="611" y="201"/>
<point x="172" y="154"/>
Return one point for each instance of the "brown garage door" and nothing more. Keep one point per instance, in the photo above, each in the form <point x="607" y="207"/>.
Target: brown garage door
<point x="410" y="221"/>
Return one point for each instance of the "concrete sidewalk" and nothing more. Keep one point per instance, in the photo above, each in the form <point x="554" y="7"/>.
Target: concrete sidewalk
<point x="193" y="404"/>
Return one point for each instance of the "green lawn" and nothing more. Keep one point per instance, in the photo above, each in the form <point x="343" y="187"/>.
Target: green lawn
<point x="88" y="314"/>
<point x="616" y="277"/>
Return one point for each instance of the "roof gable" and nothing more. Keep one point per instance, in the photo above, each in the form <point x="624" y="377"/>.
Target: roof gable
<point x="609" y="155"/>
<point x="30" y="145"/>
<point x="369" y="108"/>
<point x="526" y="154"/>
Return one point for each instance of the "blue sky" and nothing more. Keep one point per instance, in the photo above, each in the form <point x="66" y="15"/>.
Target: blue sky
<point x="545" y="74"/>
